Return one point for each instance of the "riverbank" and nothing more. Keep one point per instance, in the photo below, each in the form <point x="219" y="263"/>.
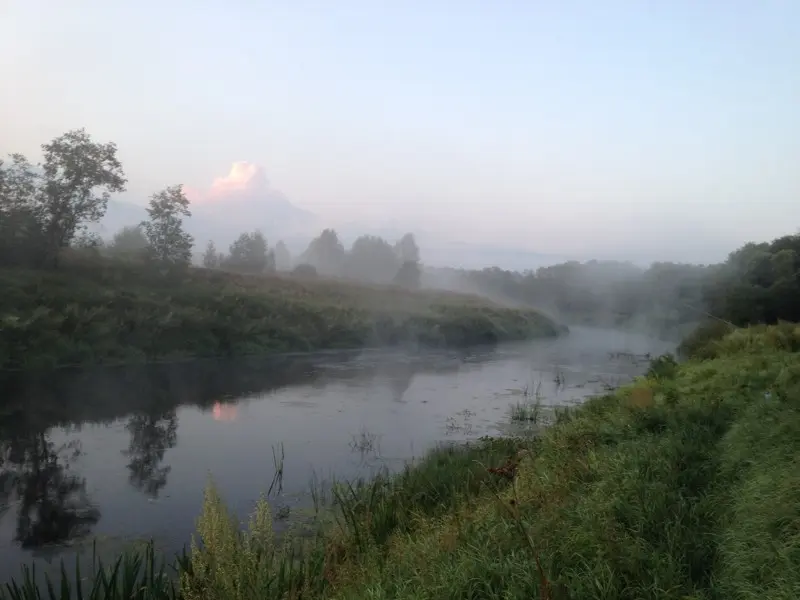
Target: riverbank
<point x="682" y="484"/>
<point x="111" y="312"/>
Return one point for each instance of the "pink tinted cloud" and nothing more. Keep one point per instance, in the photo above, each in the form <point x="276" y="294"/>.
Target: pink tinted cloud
<point x="243" y="179"/>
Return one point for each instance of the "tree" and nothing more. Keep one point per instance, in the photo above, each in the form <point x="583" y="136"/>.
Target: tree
<point x="78" y="176"/>
<point x="152" y="434"/>
<point x="250" y="254"/>
<point x="325" y="253"/>
<point x="407" y="249"/>
<point x="168" y="242"/>
<point x="283" y="258"/>
<point x="52" y="504"/>
<point x="211" y="258"/>
<point x="372" y="259"/>
<point x="128" y="242"/>
<point x="305" y="270"/>
<point x="46" y="207"/>
<point x="22" y="240"/>
<point x="409" y="275"/>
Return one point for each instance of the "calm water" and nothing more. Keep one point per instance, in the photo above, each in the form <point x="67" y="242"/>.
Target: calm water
<point x="122" y="454"/>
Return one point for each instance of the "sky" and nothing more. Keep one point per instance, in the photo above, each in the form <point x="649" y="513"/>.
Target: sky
<point x="615" y="129"/>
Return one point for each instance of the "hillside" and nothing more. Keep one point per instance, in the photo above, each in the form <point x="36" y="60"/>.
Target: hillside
<point x="104" y="311"/>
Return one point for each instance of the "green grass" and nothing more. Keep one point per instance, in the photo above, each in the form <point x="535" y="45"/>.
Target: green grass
<point x="114" y="312"/>
<point x="526" y="412"/>
<point x="683" y="484"/>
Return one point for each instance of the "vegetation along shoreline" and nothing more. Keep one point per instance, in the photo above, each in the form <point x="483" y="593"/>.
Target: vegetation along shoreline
<point x="99" y="311"/>
<point x="678" y="485"/>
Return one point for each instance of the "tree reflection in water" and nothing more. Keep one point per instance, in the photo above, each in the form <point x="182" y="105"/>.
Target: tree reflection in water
<point x="152" y="434"/>
<point x="52" y="504"/>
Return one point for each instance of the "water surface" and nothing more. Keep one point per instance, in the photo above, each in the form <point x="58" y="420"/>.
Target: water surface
<point x="121" y="454"/>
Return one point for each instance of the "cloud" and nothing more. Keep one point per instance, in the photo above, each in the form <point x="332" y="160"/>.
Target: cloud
<point x="244" y="180"/>
<point x="243" y="200"/>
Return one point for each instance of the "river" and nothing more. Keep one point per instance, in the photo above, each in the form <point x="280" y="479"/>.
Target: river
<point x="112" y="455"/>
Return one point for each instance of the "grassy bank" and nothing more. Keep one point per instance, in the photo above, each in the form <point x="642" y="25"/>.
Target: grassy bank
<point x="86" y="313"/>
<point x="681" y="485"/>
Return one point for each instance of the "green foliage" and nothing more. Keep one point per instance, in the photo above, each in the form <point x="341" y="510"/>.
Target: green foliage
<point x="759" y="283"/>
<point x="408" y="275"/>
<point x="129" y="242"/>
<point x="135" y="575"/>
<point x="663" y="367"/>
<point x="168" y="243"/>
<point x="407" y="250"/>
<point x="211" y="258"/>
<point x="78" y="178"/>
<point x="698" y="344"/>
<point x="664" y="299"/>
<point x="283" y="258"/>
<point x="232" y="563"/>
<point x="674" y="487"/>
<point x="107" y="311"/>
<point x="43" y="210"/>
<point x="249" y="254"/>
<point x="371" y="259"/>
<point x="325" y="253"/>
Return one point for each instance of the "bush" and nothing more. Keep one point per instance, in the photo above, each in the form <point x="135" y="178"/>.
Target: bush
<point x="305" y="270"/>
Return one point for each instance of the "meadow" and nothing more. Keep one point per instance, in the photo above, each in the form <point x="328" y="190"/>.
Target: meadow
<point x="102" y="311"/>
<point x="682" y="484"/>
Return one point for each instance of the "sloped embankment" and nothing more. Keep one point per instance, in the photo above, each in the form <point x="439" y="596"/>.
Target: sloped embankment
<point x="682" y="485"/>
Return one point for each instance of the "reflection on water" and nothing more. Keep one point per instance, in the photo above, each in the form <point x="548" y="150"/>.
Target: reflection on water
<point x="152" y="434"/>
<point x="51" y="504"/>
<point x="119" y="454"/>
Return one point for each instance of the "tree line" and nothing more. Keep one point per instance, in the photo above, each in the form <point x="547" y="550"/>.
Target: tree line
<point x="371" y="258"/>
<point x="757" y="283"/>
<point x="47" y="207"/>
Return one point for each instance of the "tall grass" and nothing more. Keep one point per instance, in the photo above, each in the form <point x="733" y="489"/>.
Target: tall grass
<point x="229" y="559"/>
<point x="135" y="575"/>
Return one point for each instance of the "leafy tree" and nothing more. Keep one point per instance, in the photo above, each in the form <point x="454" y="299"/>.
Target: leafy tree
<point x="128" y="241"/>
<point x="250" y="254"/>
<point x="283" y="258"/>
<point x="78" y="176"/>
<point x="759" y="283"/>
<point x="372" y="259"/>
<point x="407" y="249"/>
<point x="153" y="432"/>
<point x="52" y="203"/>
<point x="168" y="242"/>
<point x="326" y="253"/>
<point x="22" y="240"/>
<point x="51" y="501"/>
<point x="211" y="258"/>
<point x="409" y="275"/>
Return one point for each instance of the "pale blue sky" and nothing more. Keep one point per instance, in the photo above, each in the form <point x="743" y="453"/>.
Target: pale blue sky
<point x="646" y="130"/>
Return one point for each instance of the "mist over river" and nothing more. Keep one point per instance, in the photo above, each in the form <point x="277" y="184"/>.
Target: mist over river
<point x="122" y="454"/>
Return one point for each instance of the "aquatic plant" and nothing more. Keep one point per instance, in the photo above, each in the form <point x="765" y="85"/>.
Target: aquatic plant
<point x="134" y="575"/>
